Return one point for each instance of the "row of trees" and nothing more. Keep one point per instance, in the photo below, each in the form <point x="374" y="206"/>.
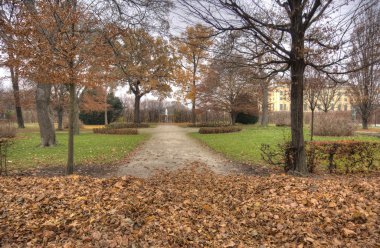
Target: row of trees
<point x="227" y="64"/>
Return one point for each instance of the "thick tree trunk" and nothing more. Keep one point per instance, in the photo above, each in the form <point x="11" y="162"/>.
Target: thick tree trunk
<point x="365" y="121"/>
<point x="297" y="144"/>
<point x="265" y="105"/>
<point x="70" y="153"/>
<point x="137" y="109"/>
<point x="44" y="115"/>
<point x="16" y="94"/>
<point x="233" y="117"/>
<point x="60" y="118"/>
<point x="312" y="125"/>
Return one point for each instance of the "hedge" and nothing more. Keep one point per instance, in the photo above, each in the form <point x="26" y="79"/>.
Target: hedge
<point x="204" y="124"/>
<point x="209" y="130"/>
<point x="345" y="156"/>
<point x="130" y="131"/>
<point x="120" y="125"/>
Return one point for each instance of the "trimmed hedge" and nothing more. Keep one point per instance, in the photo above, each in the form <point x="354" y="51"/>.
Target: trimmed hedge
<point x="344" y="156"/>
<point x="203" y="124"/>
<point x="210" y="130"/>
<point x="347" y="156"/>
<point x="121" y="125"/>
<point x="246" y="118"/>
<point x="129" y="131"/>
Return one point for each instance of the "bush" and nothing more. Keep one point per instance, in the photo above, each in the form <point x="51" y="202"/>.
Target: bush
<point x="129" y="131"/>
<point x="227" y="129"/>
<point x="120" y="125"/>
<point x="346" y="156"/>
<point x="209" y="124"/>
<point x="280" y="119"/>
<point x="7" y="130"/>
<point x="246" y="118"/>
<point x="333" y="124"/>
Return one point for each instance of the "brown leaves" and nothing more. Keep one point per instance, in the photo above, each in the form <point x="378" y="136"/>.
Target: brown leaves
<point x="190" y="208"/>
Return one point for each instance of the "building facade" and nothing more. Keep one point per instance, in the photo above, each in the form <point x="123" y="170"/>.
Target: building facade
<point x="337" y="100"/>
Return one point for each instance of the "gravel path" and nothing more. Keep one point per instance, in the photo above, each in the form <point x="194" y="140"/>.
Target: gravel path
<point x="170" y="148"/>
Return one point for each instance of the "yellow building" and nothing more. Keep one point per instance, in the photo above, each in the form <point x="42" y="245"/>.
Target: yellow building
<point x="335" y="99"/>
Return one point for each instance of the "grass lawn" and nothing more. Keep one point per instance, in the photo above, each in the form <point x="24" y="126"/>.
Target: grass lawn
<point x="245" y="146"/>
<point x="89" y="149"/>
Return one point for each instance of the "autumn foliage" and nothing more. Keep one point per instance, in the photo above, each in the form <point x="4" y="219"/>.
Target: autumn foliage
<point x="190" y="208"/>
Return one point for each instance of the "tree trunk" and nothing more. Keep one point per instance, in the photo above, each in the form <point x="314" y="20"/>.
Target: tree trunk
<point x="233" y="117"/>
<point x="105" y="110"/>
<point x="297" y="144"/>
<point x="16" y="94"/>
<point x="76" y="116"/>
<point x="137" y="109"/>
<point x="60" y="118"/>
<point x="312" y="125"/>
<point x="70" y="153"/>
<point x="193" y="114"/>
<point x="265" y="105"/>
<point x="365" y="121"/>
<point x="44" y="115"/>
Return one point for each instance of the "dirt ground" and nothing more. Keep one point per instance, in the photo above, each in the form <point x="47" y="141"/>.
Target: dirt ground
<point x="170" y="148"/>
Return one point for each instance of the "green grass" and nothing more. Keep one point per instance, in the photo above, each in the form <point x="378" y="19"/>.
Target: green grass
<point x="245" y="146"/>
<point x="89" y="149"/>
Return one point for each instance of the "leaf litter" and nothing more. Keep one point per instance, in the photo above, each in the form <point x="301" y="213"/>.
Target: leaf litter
<point x="191" y="207"/>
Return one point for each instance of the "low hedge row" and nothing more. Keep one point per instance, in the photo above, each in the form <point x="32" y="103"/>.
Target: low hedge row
<point x="204" y="124"/>
<point x="129" y="131"/>
<point x="347" y="156"/>
<point x="344" y="156"/>
<point x="119" y="125"/>
<point x="227" y="129"/>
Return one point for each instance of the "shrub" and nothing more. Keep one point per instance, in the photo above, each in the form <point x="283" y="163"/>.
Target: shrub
<point x="121" y="125"/>
<point x="280" y="119"/>
<point x="7" y="130"/>
<point x="210" y="124"/>
<point x="227" y="129"/>
<point x="346" y="156"/>
<point x="129" y="131"/>
<point x="332" y="124"/>
<point x="246" y="118"/>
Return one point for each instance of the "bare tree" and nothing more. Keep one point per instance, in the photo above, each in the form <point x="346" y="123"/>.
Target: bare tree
<point x="283" y="27"/>
<point x="9" y="19"/>
<point x="365" y="83"/>
<point x="227" y="87"/>
<point x="329" y="96"/>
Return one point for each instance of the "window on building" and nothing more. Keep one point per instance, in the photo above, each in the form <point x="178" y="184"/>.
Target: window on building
<point x="281" y="107"/>
<point x="345" y="107"/>
<point x="339" y="107"/>
<point x="333" y="107"/>
<point x="305" y="107"/>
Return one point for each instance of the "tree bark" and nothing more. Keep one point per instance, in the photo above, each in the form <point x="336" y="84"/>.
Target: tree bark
<point x="76" y="116"/>
<point x="365" y="121"/>
<point x="193" y="114"/>
<point x="105" y="110"/>
<point x="265" y="105"/>
<point x="44" y="115"/>
<point x="16" y="94"/>
<point x="70" y="154"/>
<point x="60" y="118"/>
<point x="137" y="109"/>
<point x="233" y="117"/>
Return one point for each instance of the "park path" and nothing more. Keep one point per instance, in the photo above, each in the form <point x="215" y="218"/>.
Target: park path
<point x="170" y="148"/>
